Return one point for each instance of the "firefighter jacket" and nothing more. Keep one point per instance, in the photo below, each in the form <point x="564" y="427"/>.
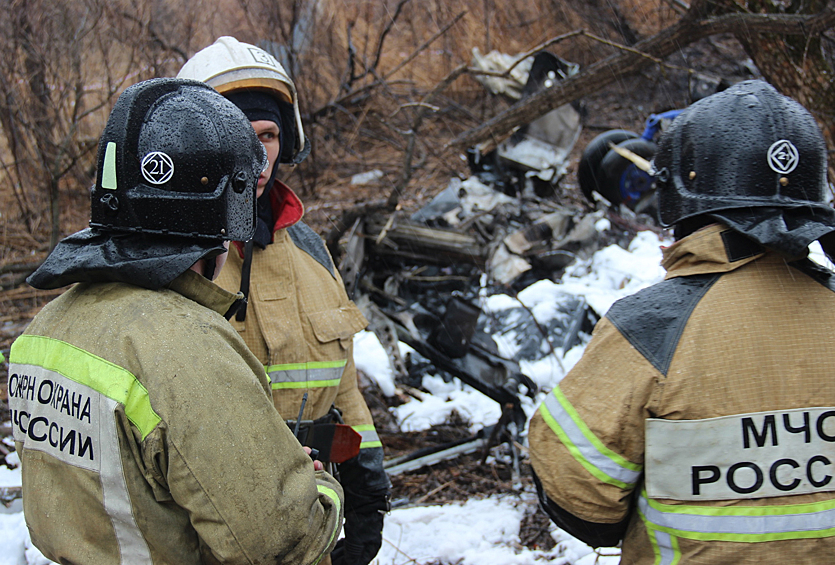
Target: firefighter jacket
<point x="300" y="324"/>
<point x="699" y="425"/>
<point x="146" y="435"/>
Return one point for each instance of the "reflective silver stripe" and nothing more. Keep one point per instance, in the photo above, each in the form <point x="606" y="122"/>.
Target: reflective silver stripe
<point x="756" y="522"/>
<point x="308" y="376"/>
<point x="667" y="554"/>
<point x="132" y="545"/>
<point x="369" y="437"/>
<point x="584" y="445"/>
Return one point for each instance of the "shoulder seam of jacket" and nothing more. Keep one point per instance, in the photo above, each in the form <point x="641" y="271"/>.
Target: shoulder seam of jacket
<point x="653" y="319"/>
<point x="309" y="241"/>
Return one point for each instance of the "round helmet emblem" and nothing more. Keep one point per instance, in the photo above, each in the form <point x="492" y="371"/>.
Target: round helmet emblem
<point x="783" y="157"/>
<point x="157" y="167"/>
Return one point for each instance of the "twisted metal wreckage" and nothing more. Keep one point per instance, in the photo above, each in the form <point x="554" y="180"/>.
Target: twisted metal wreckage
<point x="420" y="279"/>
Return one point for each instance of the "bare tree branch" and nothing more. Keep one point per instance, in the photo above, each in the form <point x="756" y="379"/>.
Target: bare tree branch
<point x="679" y="6"/>
<point x="381" y="81"/>
<point x="385" y="32"/>
<point x="424" y="45"/>
<point x="688" y="30"/>
<point x="424" y="108"/>
<point x="155" y="37"/>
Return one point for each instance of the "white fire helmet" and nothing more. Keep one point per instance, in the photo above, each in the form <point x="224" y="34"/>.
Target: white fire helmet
<point x="229" y="65"/>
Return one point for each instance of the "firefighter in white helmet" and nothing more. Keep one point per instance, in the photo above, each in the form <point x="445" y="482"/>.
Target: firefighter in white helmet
<point x="299" y="320"/>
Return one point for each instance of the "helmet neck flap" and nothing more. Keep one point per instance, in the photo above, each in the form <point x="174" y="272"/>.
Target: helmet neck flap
<point x="146" y="260"/>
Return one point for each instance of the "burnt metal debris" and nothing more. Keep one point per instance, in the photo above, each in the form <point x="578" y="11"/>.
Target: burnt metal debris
<point x="422" y="279"/>
<point x="424" y="286"/>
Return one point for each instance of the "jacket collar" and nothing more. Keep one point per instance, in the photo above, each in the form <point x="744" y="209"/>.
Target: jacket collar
<point x="203" y="291"/>
<point x="287" y="208"/>
<point x="712" y="249"/>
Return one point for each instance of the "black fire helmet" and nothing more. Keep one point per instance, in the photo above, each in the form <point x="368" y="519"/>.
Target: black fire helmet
<point x="177" y="159"/>
<point x="747" y="147"/>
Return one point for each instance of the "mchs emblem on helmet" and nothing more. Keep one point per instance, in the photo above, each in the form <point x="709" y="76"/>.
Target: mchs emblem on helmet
<point x="263" y="57"/>
<point x="783" y="157"/>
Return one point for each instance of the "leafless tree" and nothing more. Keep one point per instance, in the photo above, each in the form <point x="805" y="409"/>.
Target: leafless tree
<point x="62" y="65"/>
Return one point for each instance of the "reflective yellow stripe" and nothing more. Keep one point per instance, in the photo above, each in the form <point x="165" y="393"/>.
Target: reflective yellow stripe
<point x="305" y="384"/>
<point x="331" y="494"/>
<point x="369" y="436"/>
<point x="665" y="547"/>
<point x="108" y="175"/>
<point x="311" y="365"/>
<point x="318" y="374"/>
<point x="90" y="370"/>
<point x="603" y="463"/>
<point x="748" y="524"/>
<point x="676" y="551"/>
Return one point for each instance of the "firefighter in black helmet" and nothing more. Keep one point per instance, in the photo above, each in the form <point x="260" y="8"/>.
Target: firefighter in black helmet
<point x="116" y="386"/>
<point x="698" y="426"/>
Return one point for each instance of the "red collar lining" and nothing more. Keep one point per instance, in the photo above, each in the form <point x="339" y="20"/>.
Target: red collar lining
<point x="287" y="209"/>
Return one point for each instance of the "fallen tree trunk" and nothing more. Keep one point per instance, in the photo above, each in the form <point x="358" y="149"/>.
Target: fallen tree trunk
<point x="699" y="22"/>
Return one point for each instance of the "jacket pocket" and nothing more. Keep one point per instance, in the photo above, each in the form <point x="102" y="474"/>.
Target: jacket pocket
<point x="276" y="285"/>
<point x="337" y="324"/>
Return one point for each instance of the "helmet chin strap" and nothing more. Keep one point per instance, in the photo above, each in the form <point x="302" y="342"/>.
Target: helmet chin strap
<point x="262" y="238"/>
<point x="240" y="315"/>
<point x="209" y="266"/>
<point x="265" y="221"/>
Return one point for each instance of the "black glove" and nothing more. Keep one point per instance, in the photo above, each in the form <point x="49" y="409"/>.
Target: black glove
<point x="362" y="541"/>
<point x="366" y="487"/>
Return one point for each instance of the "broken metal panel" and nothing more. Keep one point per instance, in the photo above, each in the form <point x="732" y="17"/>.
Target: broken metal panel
<point x="423" y="458"/>
<point x="445" y="201"/>
<point x="353" y="258"/>
<point x="539" y="232"/>
<point x="537" y="151"/>
<point x="473" y="358"/>
<point x="510" y="85"/>
<point x="530" y="339"/>
<point x="420" y="243"/>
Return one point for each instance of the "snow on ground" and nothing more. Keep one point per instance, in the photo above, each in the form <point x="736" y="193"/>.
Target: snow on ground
<point x="481" y="531"/>
<point x="486" y="531"/>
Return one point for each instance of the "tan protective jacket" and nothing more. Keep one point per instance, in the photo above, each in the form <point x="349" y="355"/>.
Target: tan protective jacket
<point x="300" y="323"/>
<point x="702" y="414"/>
<point x="146" y="435"/>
